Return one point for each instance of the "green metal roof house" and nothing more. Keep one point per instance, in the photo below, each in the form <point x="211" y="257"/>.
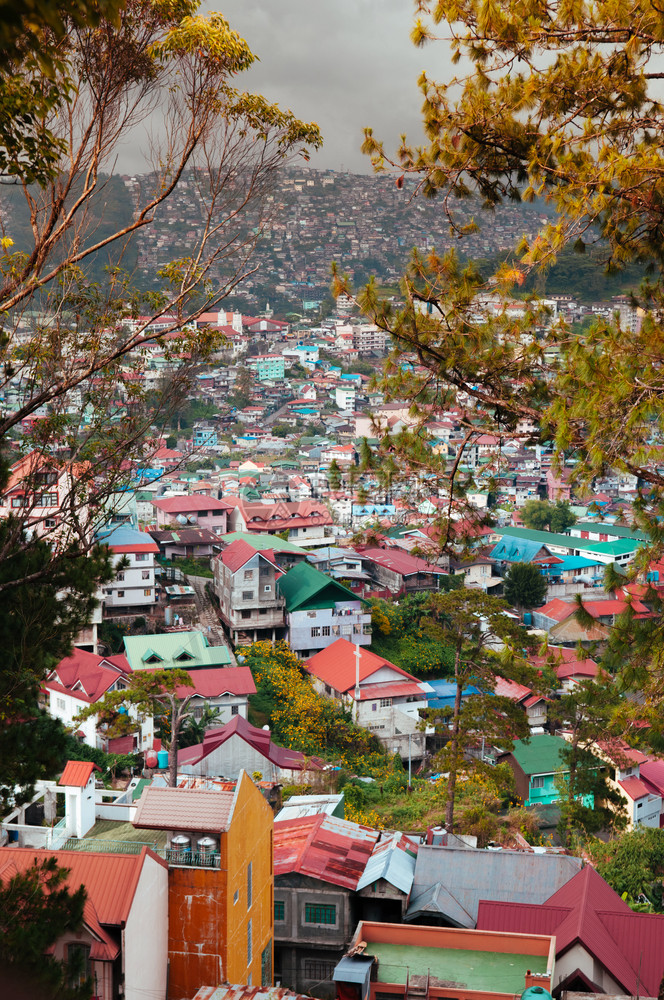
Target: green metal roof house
<point x="320" y="610"/>
<point x="536" y="765"/>
<point x="184" y="650"/>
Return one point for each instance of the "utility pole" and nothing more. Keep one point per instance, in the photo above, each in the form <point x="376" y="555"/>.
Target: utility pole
<point x="357" y="682"/>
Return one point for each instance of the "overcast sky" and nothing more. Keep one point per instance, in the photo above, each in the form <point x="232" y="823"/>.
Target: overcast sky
<point x="341" y="63"/>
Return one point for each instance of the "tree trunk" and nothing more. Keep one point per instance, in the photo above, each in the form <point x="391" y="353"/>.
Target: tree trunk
<point x="454" y="753"/>
<point x="173" y="749"/>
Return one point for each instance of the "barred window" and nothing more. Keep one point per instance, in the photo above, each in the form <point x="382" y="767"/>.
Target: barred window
<point x="316" y="914"/>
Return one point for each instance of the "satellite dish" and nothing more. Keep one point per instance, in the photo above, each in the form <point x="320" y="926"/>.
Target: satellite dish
<point x="181" y="519"/>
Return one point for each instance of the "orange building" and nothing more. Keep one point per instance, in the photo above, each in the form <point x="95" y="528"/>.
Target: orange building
<point x="220" y="883"/>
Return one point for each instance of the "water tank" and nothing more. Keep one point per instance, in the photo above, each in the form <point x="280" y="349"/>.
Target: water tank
<point x="162" y="758"/>
<point x="527" y="618"/>
<point x="182" y="844"/>
<point x="151" y="758"/>
<point x="206" y="847"/>
<point x="535" y="993"/>
<point x="168" y="615"/>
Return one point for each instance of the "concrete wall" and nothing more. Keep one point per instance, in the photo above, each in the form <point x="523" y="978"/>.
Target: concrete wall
<point x="145" y="936"/>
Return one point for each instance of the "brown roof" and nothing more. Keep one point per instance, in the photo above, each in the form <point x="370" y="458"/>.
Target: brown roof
<point x="184" y="809"/>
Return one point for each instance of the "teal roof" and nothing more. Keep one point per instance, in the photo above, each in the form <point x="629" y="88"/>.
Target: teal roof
<point x="261" y="542"/>
<point x="184" y="650"/>
<point x="516" y="549"/>
<point x="542" y="754"/>
<point x="305" y="587"/>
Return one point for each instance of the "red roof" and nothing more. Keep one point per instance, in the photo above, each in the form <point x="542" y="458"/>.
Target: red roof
<point x="587" y="911"/>
<point x="211" y="682"/>
<point x="335" y="666"/>
<point x="401" y="562"/>
<point x="240" y="552"/>
<point x="652" y="772"/>
<point x="559" y="610"/>
<point x="87" y="676"/>
<point x="397" y="690"/>
<point x="635" y="788"/>
<point x="323" y="847"/>
<point x="110" y="879"/>
<point x="182" y="505"/>
<point x="77" y="773"/>
<point x="259" y="739"/>
<point x="621" y="753"/>
<point x="510" y="689"/>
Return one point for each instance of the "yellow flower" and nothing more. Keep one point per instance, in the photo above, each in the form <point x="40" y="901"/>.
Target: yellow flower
<point x="6" y="242"/>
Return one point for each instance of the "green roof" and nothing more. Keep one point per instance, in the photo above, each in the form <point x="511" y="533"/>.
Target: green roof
<point x="570" y="542"/>
<point x="261" y="542"/>
<point x="170" y="646"/>
<point x="617" y="530"/>
<point x="542" y="754"/>
<point x="304" y="587"/>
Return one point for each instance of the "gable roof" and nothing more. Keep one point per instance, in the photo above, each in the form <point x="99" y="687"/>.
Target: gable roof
<point x="77" y="773"/>
<point x="586" y="910"/>
<point x="259" y="739"/>
<point x="392" y="859"/>
<point x="126" y="539"/>
<point x="239" y="552"/>
<point x="323" y="847"/>
<point x="542" y="754"/>
<point x="401" y="562"/>
<point x="452" y="880"/>
<point x="87" y="676"/>
<point x="260" y="543"/>
<point x="304" y="586"/>
<point x="182" y="505"/>
<point x="335" y="665"/>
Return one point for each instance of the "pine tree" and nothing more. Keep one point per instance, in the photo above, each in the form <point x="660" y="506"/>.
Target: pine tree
<point x="525" y="587"/>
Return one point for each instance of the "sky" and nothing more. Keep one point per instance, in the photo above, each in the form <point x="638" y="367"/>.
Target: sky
<point x="344" y="64"/>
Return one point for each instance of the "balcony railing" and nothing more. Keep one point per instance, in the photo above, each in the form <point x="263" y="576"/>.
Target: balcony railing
<point x="191" y="859"/>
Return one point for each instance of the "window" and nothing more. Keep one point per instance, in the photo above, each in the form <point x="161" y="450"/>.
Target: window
<point x="249" y="942"/>
<point x="48" y="499"/>
<point x="328" y="689"/>
<point x="249" y="885"/>
<point x="335" y="630"/>
<point x="78" y="963"/>
<point x="317" y="970"/>
<point x="267" y="589"/>
<point x="148" y="592"/>
<point x="247" y="595"/>
<point x="366" y="630"/>
<point x="316" y="914"/>
<point x="385" y="702"/>
<point x="245" y="614"/>
<point x="145" y="574"/>
<point x="374" y="707"/>
<point x="326" y="630"/>
<point x="141" y="556"/>
<point x="61" y="704"/>
<point x="121" y="594"/>
<point x="315" y="632"/>
<point x="357" y="630"/>
<point x="46" y="478"/>
<point x="235" y="709"/>
<point x="279" y="909"/>
<point x="120" y="577"/>
<point x="19" y="502"/>
<point x="537" y="781"/>
<point x="248" y="574"/>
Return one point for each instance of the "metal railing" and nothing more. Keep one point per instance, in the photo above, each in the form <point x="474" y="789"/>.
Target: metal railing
<point x="191" y="859"/>
<point x="188" y="859"/>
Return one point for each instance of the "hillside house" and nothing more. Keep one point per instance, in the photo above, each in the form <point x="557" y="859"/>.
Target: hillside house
<point x="319" y="610"/>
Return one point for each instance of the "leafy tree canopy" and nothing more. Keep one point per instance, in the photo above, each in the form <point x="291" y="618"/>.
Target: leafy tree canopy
<point x="525" y="587"/>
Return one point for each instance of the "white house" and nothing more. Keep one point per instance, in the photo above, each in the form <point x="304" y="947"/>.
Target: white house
<point x="383" y="697"/>
<point x="134" y="583"/>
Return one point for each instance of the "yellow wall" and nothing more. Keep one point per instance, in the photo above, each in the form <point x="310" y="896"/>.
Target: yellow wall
<point x="207" y="930"/>
<point x="249" y="839"/>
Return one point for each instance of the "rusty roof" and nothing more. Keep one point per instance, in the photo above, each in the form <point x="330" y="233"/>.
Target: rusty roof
<point x="184" y="809"/>
<point x="323" y="847"/>
<point x="228" y="992"/>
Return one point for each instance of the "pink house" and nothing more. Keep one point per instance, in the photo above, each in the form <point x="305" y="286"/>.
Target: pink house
<point x="204" y="511"/>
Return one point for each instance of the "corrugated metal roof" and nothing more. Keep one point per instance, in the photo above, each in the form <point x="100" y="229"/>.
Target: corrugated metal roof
<point x="324" y="847"/>
<point x="299" y="806"/>
<point x="588" y="911"/>
<point x="184" y="809"/>
<point x="471" y="875"/>
<point x="227" y="992"/>
<point x="77" y="773"/>
<point x="393" y="860"/>
<point x="110" y="879"/>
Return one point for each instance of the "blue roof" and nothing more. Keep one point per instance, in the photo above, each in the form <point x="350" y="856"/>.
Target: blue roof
<point x="510" y="549"/>
<point x="445" y="693"/>
<point x="573" y="562"/>
<point x="123" y="535"/>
